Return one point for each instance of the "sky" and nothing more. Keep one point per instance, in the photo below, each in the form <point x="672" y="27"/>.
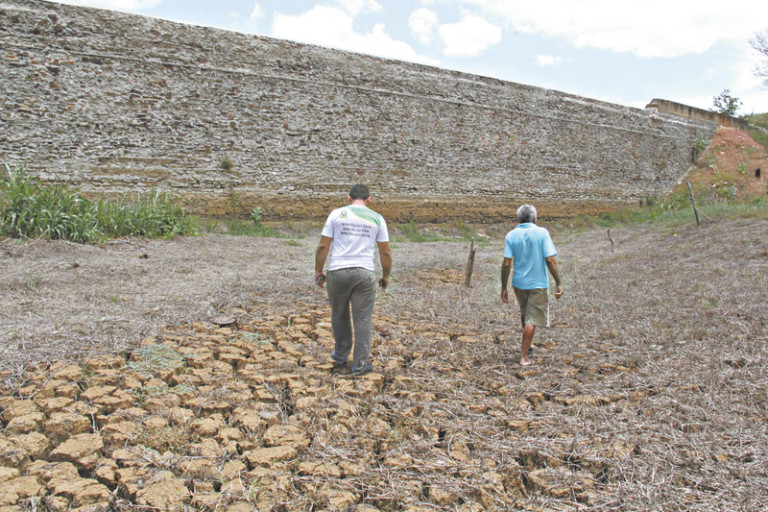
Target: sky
<point x="626" y="52"/>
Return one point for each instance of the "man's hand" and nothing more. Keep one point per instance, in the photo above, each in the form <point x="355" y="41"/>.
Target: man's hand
<point x="385" y="255"/>
<point x="552" y="266"/>
<point x="323" y="248"/>
<point x="506" y="270"/>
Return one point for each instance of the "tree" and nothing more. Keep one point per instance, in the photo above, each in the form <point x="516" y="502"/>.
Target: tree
<point x="726" y="104"/>
<point x="760" y="44"/>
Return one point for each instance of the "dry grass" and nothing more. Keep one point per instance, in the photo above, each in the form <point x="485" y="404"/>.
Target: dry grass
<point x="649" y="392"/>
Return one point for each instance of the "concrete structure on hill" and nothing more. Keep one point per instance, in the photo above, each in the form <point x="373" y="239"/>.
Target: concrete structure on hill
<point x="115" y="103"/>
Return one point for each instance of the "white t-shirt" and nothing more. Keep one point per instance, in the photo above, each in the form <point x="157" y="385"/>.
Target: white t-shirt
<point x="355" y="230"/>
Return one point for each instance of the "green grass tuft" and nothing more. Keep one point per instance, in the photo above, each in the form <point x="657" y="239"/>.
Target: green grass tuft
<point x="239" y="227"/>
<point x="31" y="209"/>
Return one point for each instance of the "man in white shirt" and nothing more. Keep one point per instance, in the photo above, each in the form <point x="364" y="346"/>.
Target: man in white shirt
<point x="354" y="232"/>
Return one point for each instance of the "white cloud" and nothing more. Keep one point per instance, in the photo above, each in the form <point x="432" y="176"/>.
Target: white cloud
<point x="257" y="13"/>
<point x="470" y="37"/>
<point x="423" y="23"/>
<point x="356" y="7"/>
<point x="117" y="5"/>
<point x="748" y="88"/>
<point x="653" y="28"/>
<point x="547" y="60"/>
<point x="332" y="27"/>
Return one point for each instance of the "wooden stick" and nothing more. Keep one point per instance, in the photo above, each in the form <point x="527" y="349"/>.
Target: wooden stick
<point x="470" y="264"/>
<point x="693" y="201"/>
<point x="610" y="239"/>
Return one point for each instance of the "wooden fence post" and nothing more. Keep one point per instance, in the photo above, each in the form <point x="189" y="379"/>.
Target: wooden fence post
<point x="470" y="264"/>
<point x="693" y="201"/>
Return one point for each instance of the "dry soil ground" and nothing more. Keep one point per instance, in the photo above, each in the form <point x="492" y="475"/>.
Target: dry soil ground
<point x="648" y="393"/>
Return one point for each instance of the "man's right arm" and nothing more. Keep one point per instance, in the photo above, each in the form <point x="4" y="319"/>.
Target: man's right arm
<point x="321" y="254"/>
<point x="385" y="255"/>
<point x="506" y="270"/>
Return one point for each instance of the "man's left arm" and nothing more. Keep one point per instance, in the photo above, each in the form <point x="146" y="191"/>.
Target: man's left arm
<point x="552" y="266"/>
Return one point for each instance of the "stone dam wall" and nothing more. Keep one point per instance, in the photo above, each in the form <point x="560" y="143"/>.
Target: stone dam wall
<point x="117" y="104"/>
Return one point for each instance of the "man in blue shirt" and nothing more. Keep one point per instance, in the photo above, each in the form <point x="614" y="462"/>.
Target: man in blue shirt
<point x="529" y="249"/>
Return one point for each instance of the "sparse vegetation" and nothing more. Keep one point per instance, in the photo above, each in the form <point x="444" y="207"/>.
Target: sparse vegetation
<point x="758" y="128"/>
<point x="644" y="395"/>
<point x="700" y="146"/>
<point x="226" y="164"/>
<point x="256" y="228"/>
<point x="31" y="209"/>
<point x="726" y="104"/>
<point x="675" y="210"/>
<point x="155" y="357"/>
<point x="450" y="232"/>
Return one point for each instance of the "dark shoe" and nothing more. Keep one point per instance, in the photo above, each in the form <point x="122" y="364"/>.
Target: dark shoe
<point x="339" y="367"/>
<point x="362" y="371"/>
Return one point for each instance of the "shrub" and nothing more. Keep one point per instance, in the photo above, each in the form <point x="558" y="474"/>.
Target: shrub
<point x="31" y="209"/>
<point x="154" y="215"/>
<point x="226" y="164"/>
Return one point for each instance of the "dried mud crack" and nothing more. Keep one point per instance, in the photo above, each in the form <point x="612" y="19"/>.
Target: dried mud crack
<point x="648" y="392"/>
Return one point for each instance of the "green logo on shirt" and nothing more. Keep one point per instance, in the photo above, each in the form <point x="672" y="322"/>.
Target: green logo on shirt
<point x="364" y="213"/>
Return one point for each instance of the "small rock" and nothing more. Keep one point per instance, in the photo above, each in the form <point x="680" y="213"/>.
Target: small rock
<point x="80" y="491"/>
<point x="95" y="392"/>
<point x="53" y="470"/>
<point x="35" y="444"/>
<point x="24" y="424"/>
<point x="209" y="427"/>
<point x="232" y="470"/>
<point x="63" y="425"/>
<point x="282" y="434"/>
<point x="70" y="373"/>
<point x="12" y="455"/>
<point x="7" y="473"/>
<point x="166" y="493"/>
<point x="180" y="415"/>
<point x="23" y="487"/>
<point x="442" y="497"/>
<point x="250" y="422"/>
<point x="339" y="500"/>
<point x="320" y="469"/>
<point x="270" y="455"/>
<point x="83" y="450"/>
<point x="132" y="479"/>
<point x="119" y="432"/>
<point x="53" y="405"/>
<point x="207" y="448"/>
<point x="105" y="472"/>
<point x="155" y="423"/>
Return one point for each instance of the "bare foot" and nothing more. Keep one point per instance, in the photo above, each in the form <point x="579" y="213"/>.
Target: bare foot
<point x="526" y="362"/>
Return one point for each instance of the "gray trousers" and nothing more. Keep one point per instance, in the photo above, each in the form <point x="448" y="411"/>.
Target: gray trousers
<point x="356" y="288"/>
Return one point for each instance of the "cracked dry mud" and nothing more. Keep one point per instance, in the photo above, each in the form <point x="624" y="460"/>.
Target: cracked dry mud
<point x="648" y="393"/>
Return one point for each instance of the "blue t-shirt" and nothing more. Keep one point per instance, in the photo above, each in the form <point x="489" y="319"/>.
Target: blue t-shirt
<point x="528" y="245"/>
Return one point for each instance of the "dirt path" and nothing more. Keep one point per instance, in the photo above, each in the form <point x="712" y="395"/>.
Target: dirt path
<point x="648" y="392"/>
